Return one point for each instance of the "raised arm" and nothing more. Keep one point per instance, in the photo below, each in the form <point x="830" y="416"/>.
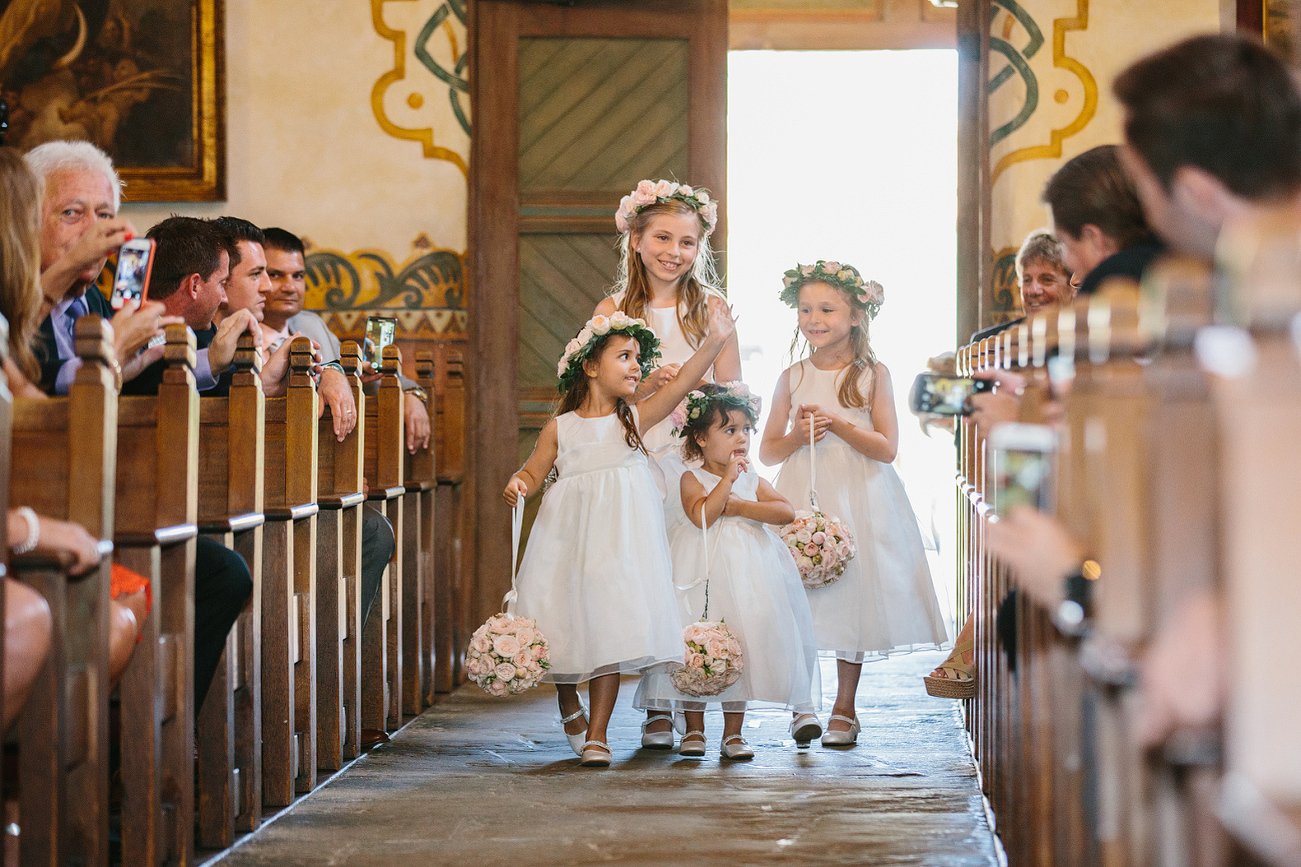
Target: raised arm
<point x="529" y="478"/>
<point x="727" y="367"/>
<point x="657" y="407"/>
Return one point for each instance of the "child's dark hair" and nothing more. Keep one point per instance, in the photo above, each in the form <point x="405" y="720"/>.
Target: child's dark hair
<point x="721" y="401"/>
<point x="578" y="390"/>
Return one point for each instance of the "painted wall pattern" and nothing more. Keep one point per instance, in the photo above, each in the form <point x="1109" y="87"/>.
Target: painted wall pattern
<point x="1051" y="67"/>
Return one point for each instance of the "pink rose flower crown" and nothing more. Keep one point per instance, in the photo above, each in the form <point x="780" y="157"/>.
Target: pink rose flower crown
<point x="842" y="276"/>
<point x="508" y="654"/>
<point x="581" y="347"/>
<point x="657" y="192"/>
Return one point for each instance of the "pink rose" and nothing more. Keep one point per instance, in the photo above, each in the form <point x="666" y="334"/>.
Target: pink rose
<point x="695" y="660"/>
<point x="807" y="270"/>
<point x="810" y="549"/>
<point x="734" y="646"/>
<point x="716" y="647"/>
<point x="599" y="325"/>
<point x="481" y="643"/>
<point x="526" y="635"/>
<point x="500" y="624"/>
<point x="819" y="537"/>
<point x="664" y="189"/>
<point x="497" y="688"/>
<point x="831" y="267"/>
<point x="539" y="651"/>
<point x="645" y="188"/>
<point x="505" y="646"/>
<point x="523" y="660"/>
<point x="505" y="671"/>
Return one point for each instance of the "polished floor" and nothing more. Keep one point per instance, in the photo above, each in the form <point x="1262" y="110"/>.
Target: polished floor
<point x="484" y="781"/>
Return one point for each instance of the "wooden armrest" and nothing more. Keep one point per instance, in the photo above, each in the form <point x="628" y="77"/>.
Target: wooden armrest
<point x="61" y="560"/>
<point x="162" y="536"/>
<point x="232" y="523"/>
<point x="343" y="501"/>
<point x="423" y="485"/>
<point x="387" y="493"/>
<point x="292" y="513"/>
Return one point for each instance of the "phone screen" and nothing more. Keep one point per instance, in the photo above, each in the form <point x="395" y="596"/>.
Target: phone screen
<point x="944" y="395"/>
<point x="380" y="332"/>
<point x="1023" y="479"/>
<point x="132" y="277"/>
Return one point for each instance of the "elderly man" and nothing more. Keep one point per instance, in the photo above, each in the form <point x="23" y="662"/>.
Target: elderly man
<point x="284" y="315"/>
<point x="79" y="229"/>
<point x="1043" y="277"/>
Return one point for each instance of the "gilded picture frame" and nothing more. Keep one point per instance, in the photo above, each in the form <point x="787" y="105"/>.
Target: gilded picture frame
<point x="142" y="79"/>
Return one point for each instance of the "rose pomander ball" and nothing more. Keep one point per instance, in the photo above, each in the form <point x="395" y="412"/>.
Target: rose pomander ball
<point x="507" y="655"/>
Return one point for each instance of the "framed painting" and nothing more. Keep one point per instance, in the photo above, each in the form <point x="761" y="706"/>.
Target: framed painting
<point x="142" y="79"/>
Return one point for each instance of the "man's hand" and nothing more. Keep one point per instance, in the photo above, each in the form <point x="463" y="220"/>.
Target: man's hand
<point x="221" y="351"/>
<point x="336" y="394"/>
<point x="1038" y="549"/>
<point x="138" y="363"/>
<point x="1001" y="405"/>
<point x="135" y="325"/>
<point x="102" y="238"/>
<point x="417" y="423"/>
<point x="275" y="368"/>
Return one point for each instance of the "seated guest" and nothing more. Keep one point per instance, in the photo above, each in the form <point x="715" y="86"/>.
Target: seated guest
<point x="1043" y="277"/>
<point x="79" y="229"/>
<point x="191" y="266"/>
<point x="1097" y="217"/>
<point x="287" y="268"/>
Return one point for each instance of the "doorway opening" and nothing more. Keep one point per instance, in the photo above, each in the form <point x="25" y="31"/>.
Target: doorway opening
<point x="852" y="156"/>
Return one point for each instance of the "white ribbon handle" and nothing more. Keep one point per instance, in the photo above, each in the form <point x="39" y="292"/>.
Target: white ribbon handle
<point x="516" y="528"/>
<point x="813" y="466"/>
<point x="705" y="560"/>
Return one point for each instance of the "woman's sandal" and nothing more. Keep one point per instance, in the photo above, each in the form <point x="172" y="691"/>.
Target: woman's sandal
<point x="735" y="748"/>
<point x="576" y="741"/>
<point x="657" y="740"/>
<point x="804" y="728"/>
<point x="596" y="754"/>
<point x="961" y="682"/>
<point x="696" y="748"/>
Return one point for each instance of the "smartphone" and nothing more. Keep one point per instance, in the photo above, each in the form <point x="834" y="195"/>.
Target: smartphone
<point x="380" y="332"/>
<point x="940" y="394"/>
<point x="135" y="262"/>
<point x="1024" y="456"/>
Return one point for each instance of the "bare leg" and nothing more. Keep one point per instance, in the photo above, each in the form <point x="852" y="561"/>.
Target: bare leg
<point x="122" y="635"/>
<point x="27" y="641"/>
<point x="732" y="723"/>
<point x="660" y="725"/>
<point x="695" y="720"/>
<point x="567" y="694"/>
<point x="847" y="674"/>
<point x="602" y="693"/>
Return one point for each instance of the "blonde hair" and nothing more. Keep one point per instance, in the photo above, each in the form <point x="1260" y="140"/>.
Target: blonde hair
<point x="20" y="256"/>
<point x="694" y="287"/>
<point x="848" y="392"/>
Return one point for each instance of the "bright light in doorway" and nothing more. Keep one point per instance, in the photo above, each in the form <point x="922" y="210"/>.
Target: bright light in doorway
<point x="851" y="156"/>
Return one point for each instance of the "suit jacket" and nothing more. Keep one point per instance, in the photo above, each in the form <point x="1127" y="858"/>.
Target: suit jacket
<point x="47" y="350"/>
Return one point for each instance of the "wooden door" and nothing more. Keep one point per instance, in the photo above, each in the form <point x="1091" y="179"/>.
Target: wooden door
<point x="573" y="106"/>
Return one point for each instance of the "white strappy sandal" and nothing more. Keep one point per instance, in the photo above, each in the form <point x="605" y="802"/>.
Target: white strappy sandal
<point x="832" y="738"/>
<point x="735" y="748"/>
<point x="657" y="740"/>
<point x="576" y="741"/>
<point x="595" y="754"/>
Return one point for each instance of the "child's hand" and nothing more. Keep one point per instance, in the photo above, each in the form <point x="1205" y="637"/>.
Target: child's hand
<point x="811" y="416"/>
<point x="515" y="491"/>
<point x="722" y="324"/>
<point x="737" y="465"/>
<point x="733" y="505"/>
<point x="662" y="376"/>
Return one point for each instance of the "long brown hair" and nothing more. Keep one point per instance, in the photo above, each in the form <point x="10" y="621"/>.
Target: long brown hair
<point x="20" y="256"/>
<point x="849" y="393"/>
<point x="581" y="387"/>
<point x="694" y="287"/>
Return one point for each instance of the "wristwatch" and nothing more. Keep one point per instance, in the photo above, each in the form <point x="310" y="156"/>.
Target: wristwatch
<point x="418" y="392"/>
<point x="1072" y="612"/>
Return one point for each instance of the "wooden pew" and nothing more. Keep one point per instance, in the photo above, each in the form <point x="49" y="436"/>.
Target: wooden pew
<point x="288" y="587"/>
<point x="67" y="450"/>
<point x="156" y="508"/>
<point x="338" y="579"/>
<point x="231" y="501"/>
<point x="416" y="548"/>
<point x="452" y="599"/>
<point x="6" y="435"/>
<point x="385" y="443"/>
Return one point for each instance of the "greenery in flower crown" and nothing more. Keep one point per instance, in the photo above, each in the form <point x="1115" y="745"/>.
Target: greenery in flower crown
<point x="726" y="396"/>
<point x="844" y="277"/>
<point x="581" y="347"/>
<point x="654" y="192"/>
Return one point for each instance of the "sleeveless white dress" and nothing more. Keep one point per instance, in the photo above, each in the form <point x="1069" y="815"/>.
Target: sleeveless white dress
<point x="597" y="573"/>
<point x="885" y="601"/>
<point x="755" y="589"/>
<point x="665" y="448"/>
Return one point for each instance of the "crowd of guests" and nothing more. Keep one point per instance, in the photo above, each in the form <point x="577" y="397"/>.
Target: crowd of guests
<point x="224" y="278"/>
<point x="1212" y="129"/>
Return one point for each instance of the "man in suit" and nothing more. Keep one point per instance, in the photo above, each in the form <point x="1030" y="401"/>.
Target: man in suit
<point x="79" y="229"/>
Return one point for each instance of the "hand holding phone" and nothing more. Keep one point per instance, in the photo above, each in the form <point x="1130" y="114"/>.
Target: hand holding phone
<point x="135" y="262"/>
<point x="380" y="332"/>
<point x="1024" y="455"/>
<point x="940" y="394"/>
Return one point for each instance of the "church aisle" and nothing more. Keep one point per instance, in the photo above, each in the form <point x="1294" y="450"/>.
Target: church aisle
<point x="492" y="781"/>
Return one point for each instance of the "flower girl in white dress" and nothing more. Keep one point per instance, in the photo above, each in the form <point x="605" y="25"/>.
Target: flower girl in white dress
<point x="597" y="574"/>
<point x="666" y="276"/>
<point x="885" y="601"/>
<point x="753" y="586"/>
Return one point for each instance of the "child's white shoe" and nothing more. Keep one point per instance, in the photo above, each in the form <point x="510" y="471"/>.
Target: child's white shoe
<point x="833" y="738"/>
<point x="805" y="728"/>
<point x="576" y="741"/>
<point x="657" y="740"/>
<point x="693" y="745"/>
<point x="595" y="754"/>
<point x="735" y="748"/>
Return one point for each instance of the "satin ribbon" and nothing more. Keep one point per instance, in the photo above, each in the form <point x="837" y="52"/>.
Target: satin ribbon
<point x="516" y="528"/>
<point x="813" y="466"/>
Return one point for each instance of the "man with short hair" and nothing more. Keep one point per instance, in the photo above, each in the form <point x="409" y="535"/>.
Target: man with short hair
<point x="1042" y="276"/>
<point x="1212" y="131"/>
<point x="79" y="229"/>
<point x="1097" y="218"/>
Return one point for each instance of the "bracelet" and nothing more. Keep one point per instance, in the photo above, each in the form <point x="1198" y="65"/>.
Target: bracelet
<point x="33" y="531"/>
<point x="334" y="365"/>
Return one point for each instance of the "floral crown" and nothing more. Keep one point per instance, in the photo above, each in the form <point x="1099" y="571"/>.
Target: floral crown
<point x="618" y="322"/>
<point x="655" y="192"/>
<point x="736" y="395"/>
<point x="843" y="277"/>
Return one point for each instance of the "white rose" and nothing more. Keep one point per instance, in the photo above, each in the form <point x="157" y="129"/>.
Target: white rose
<point x="600" y="325"/>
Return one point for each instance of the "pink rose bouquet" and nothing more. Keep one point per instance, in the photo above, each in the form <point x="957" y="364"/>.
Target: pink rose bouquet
<point x="507" y="655"/>
<point x="713" y="659"/>
<point x="821" y="546"/>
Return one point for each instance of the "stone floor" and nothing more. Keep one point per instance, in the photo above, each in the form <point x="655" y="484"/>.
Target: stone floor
<point x="484" y="781"/>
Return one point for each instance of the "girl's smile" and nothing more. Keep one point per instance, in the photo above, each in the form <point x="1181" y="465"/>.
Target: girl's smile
<point x="825" y="315"/>
<point x="669" y="246"/>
